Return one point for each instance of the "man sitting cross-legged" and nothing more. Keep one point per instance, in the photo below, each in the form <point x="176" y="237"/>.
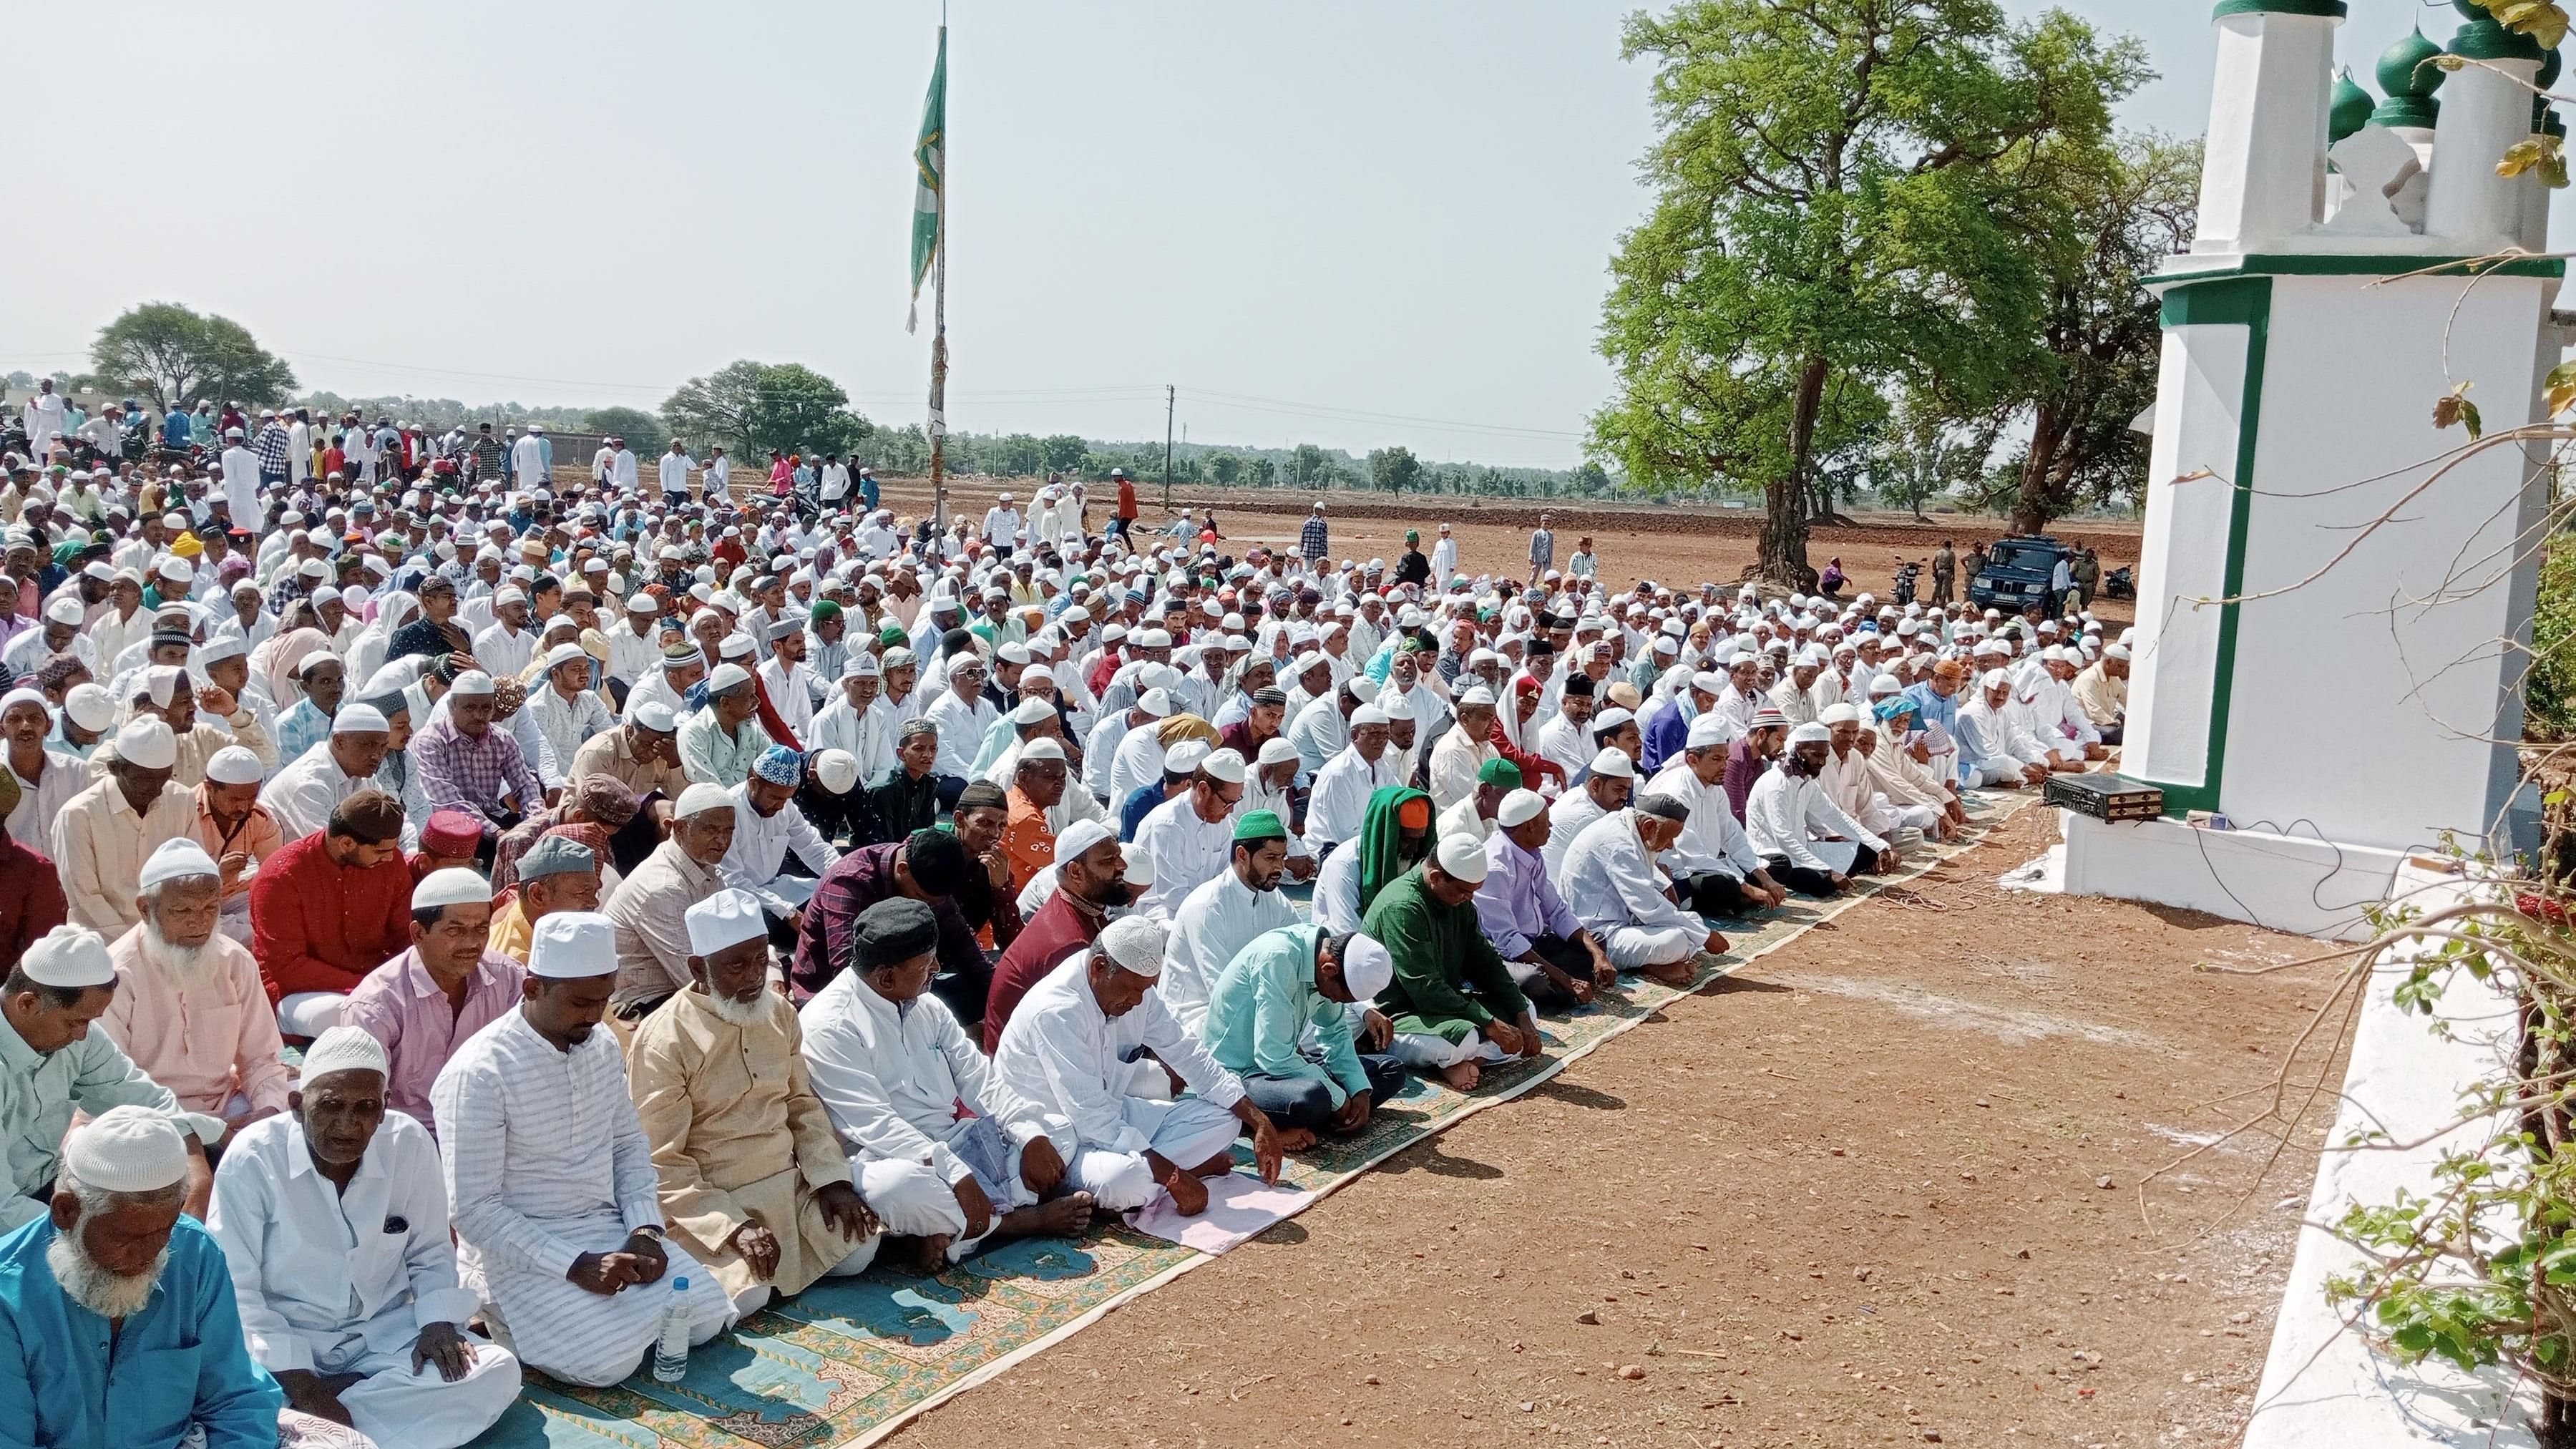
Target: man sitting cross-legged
<point x="333" y="1218"/>
<point x="946" y="1153"/>
<point x="557" y="1206"/>
<point x="1552" y="958"/>
<point x="1071" y="1049"/>
<point x="1452" y="998"/>
<point x="1611" y="881"/>
<point x="1284" y="986"/>
<point x="188" y="1008"/>
<point x="753" y="1181"/>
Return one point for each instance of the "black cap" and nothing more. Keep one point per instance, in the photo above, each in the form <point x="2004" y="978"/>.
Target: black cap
<point x="937" y="861"/>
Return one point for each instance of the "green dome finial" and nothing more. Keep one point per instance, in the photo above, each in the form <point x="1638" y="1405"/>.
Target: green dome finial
<point x="2351" y="109"/>
<point x="2407" y="74"/>
<point x="2485" y="38"/>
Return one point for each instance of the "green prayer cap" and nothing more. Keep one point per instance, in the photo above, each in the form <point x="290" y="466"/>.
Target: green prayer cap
<point x="826" y="609"/>
<point x="1261" y="825"/>
<point x="891" y="632"/>
<point x="1500" y="772"/>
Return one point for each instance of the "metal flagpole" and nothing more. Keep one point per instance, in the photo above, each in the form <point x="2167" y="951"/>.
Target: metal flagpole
<point x="939" y="319"/>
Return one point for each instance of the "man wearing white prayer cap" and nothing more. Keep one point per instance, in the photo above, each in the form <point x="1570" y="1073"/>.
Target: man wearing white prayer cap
<point x="103" y="834"/>
<point x="1063" y="1054"/>
<point x="1337" y="802"/>
<point x="118" y="1278"/>
<point x="551" y="1182"/>
<point x="446" y="986"/>
<point x="1553" y="959"/>
<point x="1608" y="781"/>
<point x="1290" y="986"/>
<point x="1426" y="920"/>
<point x="58" y="1066"/>
<point x="754" y="1183"/>
<point x="189" y="1009"/>
<point x="1806" y="841"/>
<point x="466" y="764"/>
<point x="1463" y="750"/>
<point x="1188" y="836"/>
<point x="236" y="830"/>
<point x="650" y="906"/>
<point x="387" y="1327"/>
<point x="720" y="743"/>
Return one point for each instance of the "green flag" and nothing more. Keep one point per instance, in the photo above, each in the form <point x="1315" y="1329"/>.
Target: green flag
<point x="930" y="193"/>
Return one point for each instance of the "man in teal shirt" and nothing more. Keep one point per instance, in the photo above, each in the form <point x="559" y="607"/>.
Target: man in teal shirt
<point x="118" y="1328"/>
<point x="1281" y="984"/>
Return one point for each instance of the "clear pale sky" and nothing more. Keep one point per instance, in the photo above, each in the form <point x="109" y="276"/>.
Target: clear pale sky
<point x="1363" y="223"/>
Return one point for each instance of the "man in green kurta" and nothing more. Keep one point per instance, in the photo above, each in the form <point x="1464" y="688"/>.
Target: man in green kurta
<point x="1452" y="998"/>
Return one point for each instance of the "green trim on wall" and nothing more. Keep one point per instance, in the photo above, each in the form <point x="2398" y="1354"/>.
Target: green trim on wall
<point x="2330" y="9"/>
<point x="2305" y="264"/>
<point x="2230" y="302"/>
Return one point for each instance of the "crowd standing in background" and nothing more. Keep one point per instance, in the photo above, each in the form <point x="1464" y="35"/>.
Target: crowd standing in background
<point x="467" y="903"/>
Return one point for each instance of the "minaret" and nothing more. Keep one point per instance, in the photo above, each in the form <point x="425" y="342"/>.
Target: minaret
<point x="2265" y="174"/>
<point x="2485" y="113"/>
<point x="2409" y="78"/>
<point x="2534" y="232"/>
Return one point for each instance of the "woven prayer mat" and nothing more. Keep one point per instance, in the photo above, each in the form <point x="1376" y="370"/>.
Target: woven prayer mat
<point x="850" y="1360"/>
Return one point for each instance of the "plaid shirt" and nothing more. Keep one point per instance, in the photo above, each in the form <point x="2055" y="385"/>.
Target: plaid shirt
<point x="1312" y="541"/>
<point x="272" y="448"/>
<point x="460" y="771"/>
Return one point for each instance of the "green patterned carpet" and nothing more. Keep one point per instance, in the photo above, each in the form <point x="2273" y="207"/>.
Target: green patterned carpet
<point x="849" y="1360"/>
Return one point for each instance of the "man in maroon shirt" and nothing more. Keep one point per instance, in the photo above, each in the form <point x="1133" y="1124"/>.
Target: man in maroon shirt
<point x="31" y="890"/>
<point x="330" y="908"/>
<point x="1749" y="756"/>
<point x="928" y="867"/>
<point x="1090" y="877"/>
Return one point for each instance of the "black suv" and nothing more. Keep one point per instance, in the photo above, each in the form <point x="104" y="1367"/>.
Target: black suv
<point x="2017" y="572"/>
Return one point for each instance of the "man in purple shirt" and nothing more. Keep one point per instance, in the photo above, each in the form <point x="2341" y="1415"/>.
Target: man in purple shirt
<point x="465" y="764"/>
<point x="1552" y="958"/>
<point x="1748" y="757"/>
<point x="929" y="867"/>
<point x="444" y="989"/>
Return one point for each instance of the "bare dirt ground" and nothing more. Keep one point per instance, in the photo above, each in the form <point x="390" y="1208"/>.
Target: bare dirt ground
<point x="1675" y="545"/>
<point x="1879" y="1187"/>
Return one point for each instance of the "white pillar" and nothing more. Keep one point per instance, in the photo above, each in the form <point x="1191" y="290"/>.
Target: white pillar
<point x="2264" y="176"/>
<point x="2485" y="113"/>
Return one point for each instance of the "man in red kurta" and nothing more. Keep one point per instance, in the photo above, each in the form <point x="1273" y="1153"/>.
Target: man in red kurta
<point x="330" y="908"/>
<point x="31" y="897"/>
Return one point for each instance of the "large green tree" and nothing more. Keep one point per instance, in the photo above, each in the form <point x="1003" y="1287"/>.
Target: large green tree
<point x="2126" y="209"/>
<point x="178" y="355"/>
<point x="1845" y="197"/>
<point x="752" y="407"/>
<point x="1395" y="470"/>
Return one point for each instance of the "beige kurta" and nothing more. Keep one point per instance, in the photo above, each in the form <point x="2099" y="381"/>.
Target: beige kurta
<point x="738" y="1136"/>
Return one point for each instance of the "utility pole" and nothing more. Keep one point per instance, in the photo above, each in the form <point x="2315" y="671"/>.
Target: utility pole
<point x="1171" y="396"/>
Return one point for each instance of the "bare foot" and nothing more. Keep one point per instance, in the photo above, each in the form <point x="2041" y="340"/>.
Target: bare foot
<point x="1068" y="1216"/>
<point x="1296" y="1139"/>
<point x="920" y="1257"/>
<point x="1462" y="1077"/>
<point x="1189" y="1195"/>
<point x="1676" y="974"/>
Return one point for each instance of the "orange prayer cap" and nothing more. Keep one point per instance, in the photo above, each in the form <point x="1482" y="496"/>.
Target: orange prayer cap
<point x="1414" y="814"/>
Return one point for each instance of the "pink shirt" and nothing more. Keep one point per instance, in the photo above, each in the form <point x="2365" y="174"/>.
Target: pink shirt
<point x="205" y="1042"/>
<point x="400" y="1006"/>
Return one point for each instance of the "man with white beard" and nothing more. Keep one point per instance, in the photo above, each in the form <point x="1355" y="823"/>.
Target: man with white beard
<point x="111" y="1276"/>
<point x="189" y="1009"/>
<point x="375" y="1338"/>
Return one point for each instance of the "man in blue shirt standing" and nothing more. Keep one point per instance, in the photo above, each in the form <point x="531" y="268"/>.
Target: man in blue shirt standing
<point x="118" y="1328"/>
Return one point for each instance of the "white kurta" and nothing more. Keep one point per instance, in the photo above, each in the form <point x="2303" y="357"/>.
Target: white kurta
<point x="1786" y="815"/>
<point x="1711" y="842"/>
<point x="305" y="789"/>
<point x="1070" y="1059"/>
<point x="895" y="1081"/>
<point x="1185" y="850"/>
<point x="332" y="1282"/>
<point x="1613" y="888"/>
<point x="545" y="1161"/>
<point x="760" y="846"/>
<point x="1212" y="923"/>
<point x="962" y="727"/>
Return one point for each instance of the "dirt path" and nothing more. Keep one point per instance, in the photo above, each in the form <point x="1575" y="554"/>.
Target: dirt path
<point x="1848" y="1197"/>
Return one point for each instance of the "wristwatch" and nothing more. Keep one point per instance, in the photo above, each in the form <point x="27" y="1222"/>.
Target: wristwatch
<point x="651" y="1230"/>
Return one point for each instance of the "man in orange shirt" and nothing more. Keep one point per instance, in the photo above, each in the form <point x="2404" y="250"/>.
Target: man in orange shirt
<point x="1125" y="518"/>
<point x="1037" y="784"/>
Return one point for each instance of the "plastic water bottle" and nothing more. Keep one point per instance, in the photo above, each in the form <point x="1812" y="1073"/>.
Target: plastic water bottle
<point x="671" y="1351"/>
